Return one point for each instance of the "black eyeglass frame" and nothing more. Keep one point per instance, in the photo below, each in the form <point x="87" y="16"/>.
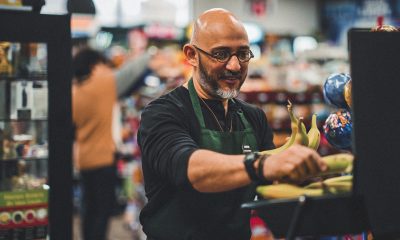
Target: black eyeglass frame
<point x="227" y="60"/>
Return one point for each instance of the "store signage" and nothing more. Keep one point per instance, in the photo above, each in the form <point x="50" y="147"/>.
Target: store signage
<point x="24" y="214"/>
<point x="161" y="31"/>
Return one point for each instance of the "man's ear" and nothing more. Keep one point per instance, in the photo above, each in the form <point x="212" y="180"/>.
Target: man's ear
<point x="191" y="54"/>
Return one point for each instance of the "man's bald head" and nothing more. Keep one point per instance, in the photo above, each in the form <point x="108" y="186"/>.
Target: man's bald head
<point x="215" y="23"/>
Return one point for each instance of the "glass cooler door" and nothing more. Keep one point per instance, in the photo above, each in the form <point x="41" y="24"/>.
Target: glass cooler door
<point x="24" y="140"/>
<point x="35" y="127"/>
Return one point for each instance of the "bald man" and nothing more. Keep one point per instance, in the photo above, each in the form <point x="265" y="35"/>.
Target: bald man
<point x="198" y="143"/>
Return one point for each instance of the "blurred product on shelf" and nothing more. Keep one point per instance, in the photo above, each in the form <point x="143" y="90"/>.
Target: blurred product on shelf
<point x="5" y="65"/>
<point x="385" y="28"/>
<point x="24" y="181"/>
<point x="11" y="2"/>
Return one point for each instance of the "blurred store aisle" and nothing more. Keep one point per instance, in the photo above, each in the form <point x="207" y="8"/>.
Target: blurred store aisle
<point x="119" y="230"/>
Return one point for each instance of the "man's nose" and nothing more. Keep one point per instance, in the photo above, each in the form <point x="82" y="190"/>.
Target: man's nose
<point x="233" y="64"/>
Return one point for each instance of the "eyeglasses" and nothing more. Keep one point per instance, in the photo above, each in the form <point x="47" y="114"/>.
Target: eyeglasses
<point x="223" y="55"/>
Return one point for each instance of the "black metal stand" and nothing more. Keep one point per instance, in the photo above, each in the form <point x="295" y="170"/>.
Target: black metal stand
<point x="296" y="217"/>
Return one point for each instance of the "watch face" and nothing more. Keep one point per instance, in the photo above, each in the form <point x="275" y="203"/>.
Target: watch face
<point x="249" y="157"/>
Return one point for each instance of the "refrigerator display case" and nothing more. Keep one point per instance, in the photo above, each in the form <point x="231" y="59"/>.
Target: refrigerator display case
<point x="35" y="126"/>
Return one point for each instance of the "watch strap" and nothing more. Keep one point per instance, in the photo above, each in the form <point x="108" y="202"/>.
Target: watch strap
<point x="260" y="172"/>
<point x="249" y="160"/>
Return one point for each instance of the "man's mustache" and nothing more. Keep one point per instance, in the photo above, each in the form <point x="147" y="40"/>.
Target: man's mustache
<point x="229" y="74"/>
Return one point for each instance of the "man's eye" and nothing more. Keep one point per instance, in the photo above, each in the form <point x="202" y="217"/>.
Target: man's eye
<point x="243" y="54"/>
<point x="221" y="55"/>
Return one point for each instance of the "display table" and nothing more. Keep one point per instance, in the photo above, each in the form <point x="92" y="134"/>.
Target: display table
<point x="312" y="216"/>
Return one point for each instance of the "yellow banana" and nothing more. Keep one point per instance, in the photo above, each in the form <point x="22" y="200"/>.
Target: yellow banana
<point x="294" y="128"/>
<point x="314" y="134"/>
<point x="298" y="134"/>
<point x="284" y="190"/>
<point x="344" y="178"/>
<point x="293" y="118"/>
<point x="285" y="146"/>
<point x="301" y="137"/>
<point x="338" y="163"/>
<point x="332" y="187"/>
<point x="339" y="187"/>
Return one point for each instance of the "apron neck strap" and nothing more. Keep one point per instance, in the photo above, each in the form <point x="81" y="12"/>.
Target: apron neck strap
<point x="196" y="104"/>
<point x="243" y="119"/>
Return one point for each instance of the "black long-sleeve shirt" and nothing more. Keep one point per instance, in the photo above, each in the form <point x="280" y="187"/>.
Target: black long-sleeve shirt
<point x="169" y="133"/>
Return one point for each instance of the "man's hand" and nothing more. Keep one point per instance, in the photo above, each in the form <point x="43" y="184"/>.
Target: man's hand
<point x="295" y="164"/>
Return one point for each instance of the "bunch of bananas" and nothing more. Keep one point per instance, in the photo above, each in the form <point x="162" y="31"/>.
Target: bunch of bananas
<point x="335" y="185"/>
<point x="299" y="133"/>
<point x="341" y="163"/>
<point x="337" y="163"/>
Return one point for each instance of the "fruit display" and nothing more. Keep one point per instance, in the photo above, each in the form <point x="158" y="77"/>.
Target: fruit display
<point x="340" y="163"/>
<point x="337" y="128"/>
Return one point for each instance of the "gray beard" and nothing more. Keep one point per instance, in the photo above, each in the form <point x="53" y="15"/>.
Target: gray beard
<point x="211" y="87"/>
<point x="228" y="94"/>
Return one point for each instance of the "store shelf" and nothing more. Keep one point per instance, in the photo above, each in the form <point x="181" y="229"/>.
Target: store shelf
<point x="282" y="97"/>
<point x="23" y="77"/>
<point x="3" y="160"/>
<point x="37" y="120"/>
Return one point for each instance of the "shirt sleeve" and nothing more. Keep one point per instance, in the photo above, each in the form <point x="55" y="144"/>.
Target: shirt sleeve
<point x="130" y="73"/>
<point x="165" y="142"/>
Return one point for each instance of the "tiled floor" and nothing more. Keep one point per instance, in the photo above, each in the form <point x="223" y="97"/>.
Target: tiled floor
<point x="118" y="230"/>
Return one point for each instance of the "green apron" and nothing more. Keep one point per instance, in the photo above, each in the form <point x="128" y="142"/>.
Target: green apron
<point x="235" y="142"/>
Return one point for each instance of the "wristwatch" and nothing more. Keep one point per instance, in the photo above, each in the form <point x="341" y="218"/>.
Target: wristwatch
<point x="249" y="160"/>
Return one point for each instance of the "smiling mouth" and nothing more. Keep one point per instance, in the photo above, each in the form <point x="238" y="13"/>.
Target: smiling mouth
<point x="230" y="78"/>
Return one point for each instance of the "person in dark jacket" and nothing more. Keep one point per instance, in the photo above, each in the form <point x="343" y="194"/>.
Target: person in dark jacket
<point x="196" y="143"/>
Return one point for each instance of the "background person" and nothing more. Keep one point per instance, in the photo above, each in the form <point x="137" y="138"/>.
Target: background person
<point x="95" y="91"/>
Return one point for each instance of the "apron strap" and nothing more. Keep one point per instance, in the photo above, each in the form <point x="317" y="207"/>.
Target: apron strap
<point x="243" y="118"/>
<point x="196" y="104"/>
